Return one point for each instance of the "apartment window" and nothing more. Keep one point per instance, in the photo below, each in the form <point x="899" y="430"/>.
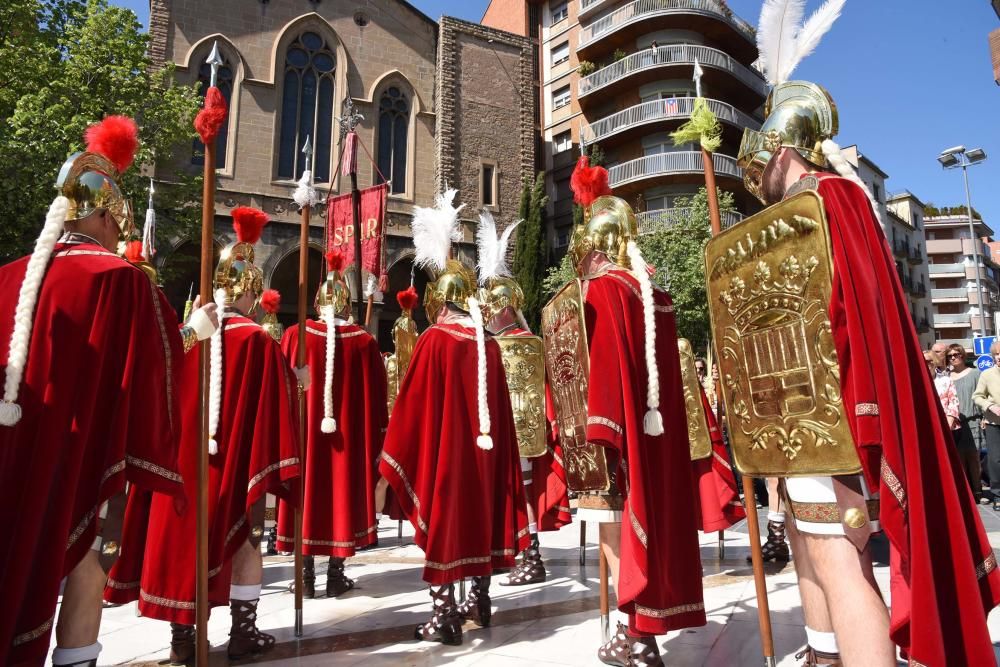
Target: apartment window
<point x="559" y="12"/>
<point x="562" y="238"/>
<point x="877" y="192"/>
<point x="667" y="95"/>
<point x="562" y="142"/>
<point x="560" y="97"/>
<point x="560" y="54"/>
<point x="487" y="184"/>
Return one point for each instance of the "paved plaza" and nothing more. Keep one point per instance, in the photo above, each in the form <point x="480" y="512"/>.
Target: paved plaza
<point x="553" y="623"/>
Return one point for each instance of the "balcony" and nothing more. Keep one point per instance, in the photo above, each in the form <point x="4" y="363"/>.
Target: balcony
<point x="919" y="290"/>
<point x="722" y="71"/>
<point x="956" y="295"/>
<point x="656" y="111"/>
<point x="671" y="164"/>
<point x="706" y="17"/>
<point x="916" y="256"/>
<point x="900" y="249"/>
<point x="952" y="320"/>
<point x="658" y="219"/>
<point x="948" y="270"/>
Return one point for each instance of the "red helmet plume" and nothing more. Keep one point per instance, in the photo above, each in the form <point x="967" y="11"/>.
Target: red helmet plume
<point x="408" y="298"/>
<point x="335" y="261"/>
<point x="249" y="223"/>
<point x="133" y="252"/>
<point x="116" y="138"/>
<point x="270" y="301"/>
<point x="588" y="183"/>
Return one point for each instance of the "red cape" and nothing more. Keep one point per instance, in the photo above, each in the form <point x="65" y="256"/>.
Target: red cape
<point x="660" y="579"/>
<point x="943" y="572"/>
<point x="339" y="513"/>
<point x="98" y="409"/>
<point x="718" y="498"/>
<point x="258" y="454"/>
<point x="548" y="494"/>
<point x="465" y="503"/>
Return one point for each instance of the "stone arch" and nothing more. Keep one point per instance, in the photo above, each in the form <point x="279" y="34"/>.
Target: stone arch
<point x="179" y="270"/>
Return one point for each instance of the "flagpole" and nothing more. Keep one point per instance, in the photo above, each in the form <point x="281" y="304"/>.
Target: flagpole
<point x="349" y="164"/>
<point x="208" y="135"/>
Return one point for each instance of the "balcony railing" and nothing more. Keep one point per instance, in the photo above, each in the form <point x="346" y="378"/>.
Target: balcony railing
<point x="959" y="293"/>
<point x="657" y="110"/>
<point x="947" y="268"/>
<point x="677" y="54"/>
<point x="642" y="9"/>
<point x="951" y="320"/>
<point x="655" y="220"/>
<point x="664" y="164"/>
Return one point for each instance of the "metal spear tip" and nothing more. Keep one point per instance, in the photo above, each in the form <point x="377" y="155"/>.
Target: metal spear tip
<point x="307" y="149"/>
<point x="215" y="61"/>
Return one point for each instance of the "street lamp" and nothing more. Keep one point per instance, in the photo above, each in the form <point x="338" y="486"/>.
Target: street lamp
<point x="953" y="158"/>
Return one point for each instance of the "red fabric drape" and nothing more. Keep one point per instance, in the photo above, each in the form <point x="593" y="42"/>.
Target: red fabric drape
<point x="465" y="503"/>
<point x="340" y="228"/>
<point x="660" y="580"/>
<point x="339" y="512"/>
<point x="718" y="498"/>
<point x="258" y="454"/>
<point x="98" y="409"/>
<point x="943" y="571"/>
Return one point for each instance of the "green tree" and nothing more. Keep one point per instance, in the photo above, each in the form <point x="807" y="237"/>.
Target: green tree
<point x="529" y="254"/>
<point x="66" y="64"/>
<point x="676" y="248"/>
<point x="558" y="275"/>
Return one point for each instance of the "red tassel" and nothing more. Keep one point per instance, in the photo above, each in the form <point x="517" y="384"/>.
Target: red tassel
<point x="116" y="138"/>
<point x="210" y="119"/>
<point x="349" y="163"/>
<point x="335" y="261"/>
<point x="249" y="223"/>
<point x="270" y="301"/>
<point x="407" y="298"/>
<point x="133" y="252"/>
<point x="588" y="183"/>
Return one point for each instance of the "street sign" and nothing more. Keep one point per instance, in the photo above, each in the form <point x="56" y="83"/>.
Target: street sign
<point x="981" y="345"/>
<point x="984" y="362"/>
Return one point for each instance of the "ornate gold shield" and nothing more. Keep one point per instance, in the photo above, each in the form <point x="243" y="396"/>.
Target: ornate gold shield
<point x="524" y="366"/>
<point x="404" y="336"/>
<point x="392" y="375"/>
<point x="769" y="287"/>
<point x="699" y="439"/>
<point x="567" y="359"/>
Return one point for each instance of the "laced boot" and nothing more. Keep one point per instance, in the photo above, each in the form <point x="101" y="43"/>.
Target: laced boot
<point x="181" y="644"/>
<point x="308" y="577"/>
<point x="244" y="637"/>
<point x="476" y="606"/>
<point x="776" y="547"/>
<point x="445" y="625"/>
<point x="813" y="657"/>
<point x="643" y="652"/>
<point x="616" y="652"/>
<point x="531" y="569"/>
<point x="337" y="582"/>
<point x="272" y="541"/>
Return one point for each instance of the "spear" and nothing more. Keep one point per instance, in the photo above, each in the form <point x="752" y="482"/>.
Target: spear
<point x="704" y="128"/>
<point x="208" y="122"/>
<point x="305" y="197"/>
<point x="349" y="165"/>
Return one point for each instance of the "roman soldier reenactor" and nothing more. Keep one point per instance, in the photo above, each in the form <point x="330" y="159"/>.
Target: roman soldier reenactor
<point x="826" y="387"/>
<point x="253" y="450"/>
<point x="346" y="417"/>
<point x="90" y="348"/>
<point x="545" y="491"/>
<point x="615" y="322"/>
<point x="450" y="453"/>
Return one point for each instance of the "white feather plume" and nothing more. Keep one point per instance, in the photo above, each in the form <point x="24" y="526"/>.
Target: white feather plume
<point x="780" y="21"/>
<point x="492" y="249"/>
<point x="305" y="193"/>
<point x="813" y="30"/>
<point x="435" y="229"/>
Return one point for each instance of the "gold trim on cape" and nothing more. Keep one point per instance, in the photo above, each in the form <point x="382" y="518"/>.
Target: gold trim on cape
<point x="672" y="611"/>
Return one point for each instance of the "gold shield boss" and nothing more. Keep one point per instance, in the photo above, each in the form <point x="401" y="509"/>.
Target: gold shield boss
<point x="453" y="285"/>
<point x="799" y="115"/>
<point x="769" y="288"/>
<point x="609" y="224"/>
<point x="699" y="439"/>
<point x="524" y="367"/>
<point x="567" y="360"/>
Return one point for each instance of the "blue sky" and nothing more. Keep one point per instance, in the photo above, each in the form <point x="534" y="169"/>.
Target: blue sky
<point x="910" y="78"/>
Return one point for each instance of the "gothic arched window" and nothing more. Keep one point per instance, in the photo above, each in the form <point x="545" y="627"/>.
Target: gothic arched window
<point x="224" y="81"/>
<point x="307" y="107"/>
<point x="393" y="137"/>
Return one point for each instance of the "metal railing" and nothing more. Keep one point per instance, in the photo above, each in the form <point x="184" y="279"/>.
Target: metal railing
<point x="947" y="268"/>
<point x="955" y="293"/>
<point x="676" y="54"/>
<point x="960" y="318"/>
<point x="657" y="219"/>
<point x="655" y="110"/>
<point x="662" y="164"/>
<point x="639" y="10"/>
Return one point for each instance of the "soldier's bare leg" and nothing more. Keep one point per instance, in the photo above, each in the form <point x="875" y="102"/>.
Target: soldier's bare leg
<point x="819" y="627"/>
<point x="610" y="537"/>
<point x="244" y="594"/>
<point x="248" y="566"/>
<point x="80" y="614"/>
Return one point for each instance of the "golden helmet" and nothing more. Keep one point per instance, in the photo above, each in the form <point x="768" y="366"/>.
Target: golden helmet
<point x="500" y="292"/>
<point x="455" y="284"/>
<point x="799" y="115"/>
<point x="236" y="272"/>
<point x="91" y="180"/>
<point x="334" y="291"/>
<point x="270" y="302"/>
<point x="609" y="224"/>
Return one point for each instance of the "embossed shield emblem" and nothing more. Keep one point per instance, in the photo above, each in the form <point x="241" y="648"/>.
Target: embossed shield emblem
<point x="524" y="366"/>
<point x="699" y="439"/>
<point x="769" y="287"/>
<point x="567" y="359"/>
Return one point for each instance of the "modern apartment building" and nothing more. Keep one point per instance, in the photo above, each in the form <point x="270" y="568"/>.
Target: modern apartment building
<point x="903" y="223"/>
<point x="954" y="292"/>
<point x="618" y="74"/>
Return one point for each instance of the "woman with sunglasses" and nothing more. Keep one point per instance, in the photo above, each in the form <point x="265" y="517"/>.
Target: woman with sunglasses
<point x="987" y="397"/>
<point x="968" y="437"/>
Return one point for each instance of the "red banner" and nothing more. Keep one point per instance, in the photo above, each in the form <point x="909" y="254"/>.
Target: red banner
<point x="340" y="228"/>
